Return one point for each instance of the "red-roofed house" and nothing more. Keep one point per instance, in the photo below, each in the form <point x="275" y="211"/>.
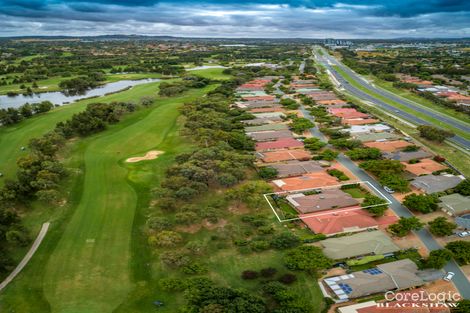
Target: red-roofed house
<point x="307" y="181"/>
<point x="344" y="220"/>
<point x="284" y="143"/>
<point x="347" y="113"/>
<point x="260" y="98"/>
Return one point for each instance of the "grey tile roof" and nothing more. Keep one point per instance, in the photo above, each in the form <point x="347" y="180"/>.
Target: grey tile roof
<point x="270" y="135"/>
<point x="436" y="183"/>
<point x="375" y="242"/>
<point x="455" y="203"/>
<point x="327" y="200"/>
<point x="296" y="168"/>
<point x="406" y="156"/>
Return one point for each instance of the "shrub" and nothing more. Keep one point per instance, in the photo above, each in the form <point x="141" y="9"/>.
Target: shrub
<point x="249" y="275"/>
<point x="267" y="172"/>
<point x="285" y="241"/>
<point x="288" y="279"/>
<point x="338" y="174"/>
<point x="268" y="272"/>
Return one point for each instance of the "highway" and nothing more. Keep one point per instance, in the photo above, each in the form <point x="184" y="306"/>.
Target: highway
<point x="459" y="280"/>
<point x="329" y="62"/>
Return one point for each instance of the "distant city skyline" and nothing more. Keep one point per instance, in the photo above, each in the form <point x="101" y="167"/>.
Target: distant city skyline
<point x="351" y="19"/>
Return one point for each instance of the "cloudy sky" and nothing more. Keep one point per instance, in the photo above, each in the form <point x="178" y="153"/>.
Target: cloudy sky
<point x="226" y="18"/>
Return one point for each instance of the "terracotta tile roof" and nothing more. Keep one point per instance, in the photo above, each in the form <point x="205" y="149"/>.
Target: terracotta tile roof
<point x="307" y="181"/>
<point x="388" y="146"/>
<point x="359" y="121"/>
<point x="331" y="102"/>
<point x="260" y="98"/>
<point x="425" y="166"/>
<point x="347" y="113"/>
<point x="263" y="110"/>
<point x="285" y="155"/>
<point x="344" y="220"/>
<point x="284" y="143"/>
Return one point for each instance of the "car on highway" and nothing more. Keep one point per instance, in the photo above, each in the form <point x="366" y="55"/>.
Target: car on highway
<point x="449" y="276"/>
<point x="388" y="189"/>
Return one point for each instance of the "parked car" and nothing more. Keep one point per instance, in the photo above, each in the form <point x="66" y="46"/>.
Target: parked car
<point x="388" y="189"/>
<point x="449" y="276"/>
<point x="463" y="234"/>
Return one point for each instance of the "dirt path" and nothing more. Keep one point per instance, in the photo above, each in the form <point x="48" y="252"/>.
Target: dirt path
<point x="27" y="257"/>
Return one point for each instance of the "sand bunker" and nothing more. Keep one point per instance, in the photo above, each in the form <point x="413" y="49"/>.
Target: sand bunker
<point x="148" y="156"/>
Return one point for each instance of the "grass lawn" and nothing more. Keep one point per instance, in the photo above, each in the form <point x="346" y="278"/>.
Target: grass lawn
<point x="13" y="137"/>
<point x="402" y="107"/>
<point x="356" y="192"/>
<point x="212" y="73"/>
<point x="416" y="98"/>
<point x="87" y="262"/>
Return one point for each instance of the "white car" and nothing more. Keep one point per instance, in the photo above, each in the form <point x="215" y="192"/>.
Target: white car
<point x="449" y="276"/>
<point x="463" y="234"/>
<point x="388" y="189"/>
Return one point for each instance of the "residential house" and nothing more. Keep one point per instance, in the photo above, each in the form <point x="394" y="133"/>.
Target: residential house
<point x="375" y="137"/>
<point x="326" y="200"/>
<point x="360" y="244"/>
<point x="266" y="127"/>
<point x="346" y="220"/>
<point x="307" y="181"/>
<point x="364" y="129"/>
<point x="398" y="275"/>
<point x="296" y="168"/>
<point x="455" y="204"/>
<point x="388" y="146"/>
<point x="284" y="155"/>
<point x="404" y="156"/>
<point x="282" y="143"/>
<point x="423" y="167"/>
<point x="270" y="135"/>
<point x="436" y="183"/>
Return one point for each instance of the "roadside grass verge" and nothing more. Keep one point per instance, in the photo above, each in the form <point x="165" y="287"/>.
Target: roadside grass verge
<point x="416" y="98"/>
<point x="402" y="107"/>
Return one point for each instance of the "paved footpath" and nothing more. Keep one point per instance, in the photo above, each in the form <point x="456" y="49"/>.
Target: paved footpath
<point x="459" y="280"/>
<point x="27" y="257"/>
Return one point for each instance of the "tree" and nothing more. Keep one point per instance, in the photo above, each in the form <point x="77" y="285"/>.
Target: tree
<point x="463" y="187"/>
<point x="306" y="258"/>
<point x="438" y="258"/>
<point x="328" y="155"/>
<point x="267" y="172"/>
<point x="405" y="225"/>
<point x="165" y="238"/>
<point x="382" y="168"/>
<point x="434" y="133"/>
<point x="440" y="226"/>
<point x="373" y="205"/>
<point x="343" y="143"/>
<point x="462" y="307"/>
<point x="288" y="279"/>
<point x="460" y="250"/>
<point x="248" y="275"/>
<point x="421" y="203"/>
<point x="300" y="124"/>
<point x="313" y="144"/>
<point x="364" y="154"/>
<point x="395" y="182"/>
<point x="285" y="240"/>
<point x="268" y="272"/>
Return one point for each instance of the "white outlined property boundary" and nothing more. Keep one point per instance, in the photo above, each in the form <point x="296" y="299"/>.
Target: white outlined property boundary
<point x="266" y="197"/>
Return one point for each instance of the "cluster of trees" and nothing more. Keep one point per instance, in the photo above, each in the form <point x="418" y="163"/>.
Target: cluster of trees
<point x="313" y="144"/>
<point x="434" y="133"/>
<point x="364" y="154"/>
<point x="344" y="143"/>
<point x="11" y="116"/>
<point x="405" y="225"/>
<point x="463" y="188"/>
<point x="440" y="227"/>
<point x="168" y="89"/>
<point x="421" y="203"/>
<point x="300" y="124"/>
<point x="374" y="205"/>
<point x="338" y="174"/>
<point x="81" y="84"/>
<point x="460" y="250"/>
<point x="388" y="172"/>
<point x="289" y="103"/>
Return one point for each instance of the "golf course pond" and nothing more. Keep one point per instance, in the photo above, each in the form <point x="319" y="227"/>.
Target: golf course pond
<point x="59" y="98"/>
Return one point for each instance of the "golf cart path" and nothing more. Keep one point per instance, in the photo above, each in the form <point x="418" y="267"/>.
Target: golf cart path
<point x="27" y="257"/>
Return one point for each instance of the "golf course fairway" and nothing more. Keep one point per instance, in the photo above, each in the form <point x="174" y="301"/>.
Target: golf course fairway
<point x="89" y="269"/>
<point x="13" y="137"/>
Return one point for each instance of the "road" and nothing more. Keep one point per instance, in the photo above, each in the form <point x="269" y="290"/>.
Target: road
<point x="27" y="257"/>
<point x="459" y="280"/>
<point x="328" y="62"/>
